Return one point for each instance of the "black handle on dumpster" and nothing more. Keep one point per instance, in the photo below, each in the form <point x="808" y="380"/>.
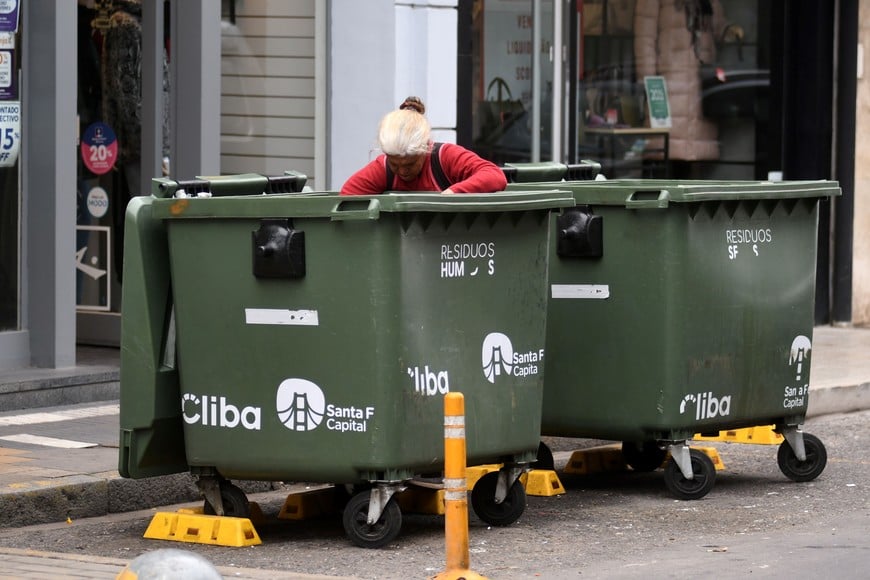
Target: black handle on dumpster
<point x="244" y="184"/>
<point x="278" y="250"/>
<point x="579" y="233"/>
<point x="551" y="171"/>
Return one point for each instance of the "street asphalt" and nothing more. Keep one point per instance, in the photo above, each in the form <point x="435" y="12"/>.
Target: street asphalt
<point x="59" y="433"/>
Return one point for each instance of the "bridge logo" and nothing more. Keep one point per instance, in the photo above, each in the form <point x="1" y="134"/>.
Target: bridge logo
<point x="300" y="404"/>
<point x="497" y="355"/>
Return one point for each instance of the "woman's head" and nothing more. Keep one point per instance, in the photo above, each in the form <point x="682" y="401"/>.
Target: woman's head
<point x="405" y="131"/>
<point x="404" y="136"/>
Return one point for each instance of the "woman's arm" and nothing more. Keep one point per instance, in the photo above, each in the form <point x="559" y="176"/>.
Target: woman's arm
<point x="470" y="173"/>
<point x="371" y="179"/>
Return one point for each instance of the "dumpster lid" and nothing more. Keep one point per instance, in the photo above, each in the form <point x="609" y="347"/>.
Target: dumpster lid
<point x="241" y="184"/>
<point x="357" y="207"/>
<point x="658" y="193"/>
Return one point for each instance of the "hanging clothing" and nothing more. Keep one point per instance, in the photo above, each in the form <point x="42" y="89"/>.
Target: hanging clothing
<point x="672" y="38"/>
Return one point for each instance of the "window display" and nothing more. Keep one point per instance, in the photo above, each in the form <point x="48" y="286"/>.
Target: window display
<point x="704" y="59"/>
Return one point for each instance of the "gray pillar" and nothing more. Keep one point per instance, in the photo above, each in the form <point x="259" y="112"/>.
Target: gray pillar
<point x="153" y="105"/>
<point x="49" y="179"/>
<point x="195" y="88"/>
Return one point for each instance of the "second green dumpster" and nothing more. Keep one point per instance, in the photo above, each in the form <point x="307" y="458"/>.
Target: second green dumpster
<point x="678" y="308"/>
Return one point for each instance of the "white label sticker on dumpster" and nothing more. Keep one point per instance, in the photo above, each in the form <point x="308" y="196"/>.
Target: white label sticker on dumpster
<point x="467" y="259"/>
<point x="747" y="241"/>
<point x="281" y="316"/>
<point x="498" y="357"/>
<point x="796" y="396"/>
<point x="587" y="291"/>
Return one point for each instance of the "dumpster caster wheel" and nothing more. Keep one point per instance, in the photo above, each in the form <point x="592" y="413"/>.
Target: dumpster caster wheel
<point x="703" y="472"/>
<point x="235" y="502"/>
<point x="545" y="458"/>
<point x="817" y="458"/>
<point x="647" y="456"/>
<point x="355" y="519"/>
<point x="497" y="514"/>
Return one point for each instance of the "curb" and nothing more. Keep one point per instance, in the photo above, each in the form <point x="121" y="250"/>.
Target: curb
<point x="49" y="388"/>
<point x="86" y="496"/>
<point x="843" y="399"/>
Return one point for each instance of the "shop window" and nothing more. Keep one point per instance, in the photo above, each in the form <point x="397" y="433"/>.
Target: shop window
<point x="10" y="185"/>
<point x="672" y="88"/>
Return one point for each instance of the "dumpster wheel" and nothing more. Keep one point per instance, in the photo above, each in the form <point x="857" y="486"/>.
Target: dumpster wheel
<point x="808" y="470"/>
<point x="497" y="514"/>
<point x="377" y="535"/>
<point x="645" y="457"/>
<point x="703" y="477"/>
<point x="235" y="502"/>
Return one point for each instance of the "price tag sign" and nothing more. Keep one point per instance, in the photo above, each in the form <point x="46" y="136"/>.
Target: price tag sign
<point x="657" y="99"/>
<point x="99" y="148"/>
<point x="8" y="90"/>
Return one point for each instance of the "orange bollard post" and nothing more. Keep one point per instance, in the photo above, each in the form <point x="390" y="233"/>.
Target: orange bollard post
<point x="455" y="491"/>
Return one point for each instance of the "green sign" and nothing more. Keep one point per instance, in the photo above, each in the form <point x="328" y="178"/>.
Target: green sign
<point x="657" y="99"/>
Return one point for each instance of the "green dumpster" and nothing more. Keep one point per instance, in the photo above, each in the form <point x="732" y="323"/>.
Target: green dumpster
<point x="678" y="308"/>
<point x="311" y="337"/>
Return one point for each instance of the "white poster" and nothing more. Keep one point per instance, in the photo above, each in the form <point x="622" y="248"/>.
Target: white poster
<point x="10" y="132"/>
<point x="93" y="268"/>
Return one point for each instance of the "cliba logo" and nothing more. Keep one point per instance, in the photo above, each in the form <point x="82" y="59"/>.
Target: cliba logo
<point x="707" y="405"/>
<point x="302" y="406"/>
<point x="214" y="411"/>
<point x="428" y="382"/>
<point x="498" y="357"/>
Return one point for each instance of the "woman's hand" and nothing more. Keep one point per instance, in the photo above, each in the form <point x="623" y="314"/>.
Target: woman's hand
<point x="448" y="190"/>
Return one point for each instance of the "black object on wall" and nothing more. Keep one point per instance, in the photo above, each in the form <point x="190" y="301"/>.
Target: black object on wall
<point x="807" y="115"/>
<point x="844" y="206"/>
<point x="464" y="65"/>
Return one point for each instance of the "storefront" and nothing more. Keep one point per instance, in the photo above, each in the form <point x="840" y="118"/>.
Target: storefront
<point x="89" y="134"/>
<point x="682" y="89"/>
<point x="10" y="148"/>
<point x="752" y="92"/>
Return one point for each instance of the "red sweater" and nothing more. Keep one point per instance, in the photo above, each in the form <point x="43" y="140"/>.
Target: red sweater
<point x="466" y="171"/>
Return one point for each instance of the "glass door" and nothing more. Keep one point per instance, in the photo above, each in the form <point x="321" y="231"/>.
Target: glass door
<point x="515" y="80"/>
<point x="109" y="160"/>
<point x="671" y="89"/>
<point x="10" y="191"/>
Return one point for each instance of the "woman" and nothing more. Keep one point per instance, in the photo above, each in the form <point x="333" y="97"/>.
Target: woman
<point x="412" y="162"/>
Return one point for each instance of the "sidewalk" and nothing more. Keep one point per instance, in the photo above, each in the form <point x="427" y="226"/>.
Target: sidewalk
<point x="40" y="483"/>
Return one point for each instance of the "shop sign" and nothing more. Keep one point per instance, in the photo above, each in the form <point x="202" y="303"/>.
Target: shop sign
<point x="10" y="132"/>
<point x="9" y="15"/>
<point x="99" y="148"/>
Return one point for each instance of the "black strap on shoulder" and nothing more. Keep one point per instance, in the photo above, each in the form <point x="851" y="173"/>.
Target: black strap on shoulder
<point x="390" y="175"/>
<point x="437" y="171"/>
